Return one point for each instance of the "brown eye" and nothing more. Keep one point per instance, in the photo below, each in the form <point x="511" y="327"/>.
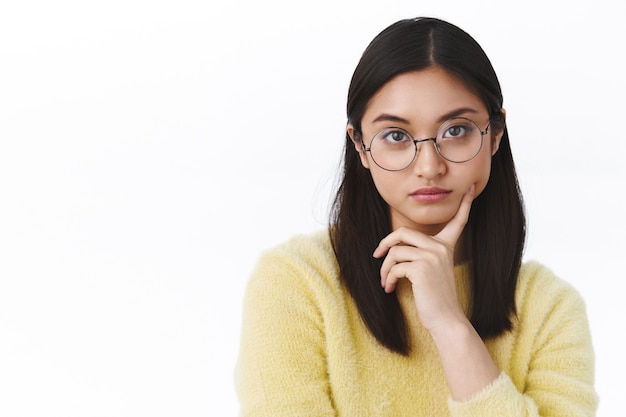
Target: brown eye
<point x="395" y="136"/>
<point x="456" y="131"/>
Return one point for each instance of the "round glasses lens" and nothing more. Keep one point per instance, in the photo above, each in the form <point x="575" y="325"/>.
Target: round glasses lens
<point x="392" y="149"/>
<point x="459" y="140"/>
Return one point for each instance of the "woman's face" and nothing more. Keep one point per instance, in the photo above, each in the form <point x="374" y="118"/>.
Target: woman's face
<point x="427" y="194"/>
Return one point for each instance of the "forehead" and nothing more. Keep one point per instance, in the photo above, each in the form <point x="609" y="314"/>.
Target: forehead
<point x="422" y="97"/>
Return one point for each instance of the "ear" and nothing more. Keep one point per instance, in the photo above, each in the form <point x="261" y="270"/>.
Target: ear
<point x="497" y="136"/>
<point x="358" y="146"/>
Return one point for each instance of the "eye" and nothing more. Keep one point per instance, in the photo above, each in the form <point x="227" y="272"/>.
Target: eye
<point x="457" y="131"/>
<point x="395" y="136"/>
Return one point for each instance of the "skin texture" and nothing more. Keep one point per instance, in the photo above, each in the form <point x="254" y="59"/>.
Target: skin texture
<point x="421" y="247"/>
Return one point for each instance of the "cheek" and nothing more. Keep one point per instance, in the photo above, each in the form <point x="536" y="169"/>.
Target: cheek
<point x="389" y="185"/>
<point x="381" y="181"/>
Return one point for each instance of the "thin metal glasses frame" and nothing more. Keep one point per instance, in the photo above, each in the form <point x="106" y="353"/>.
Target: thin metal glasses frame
<point x="433" y="139"/>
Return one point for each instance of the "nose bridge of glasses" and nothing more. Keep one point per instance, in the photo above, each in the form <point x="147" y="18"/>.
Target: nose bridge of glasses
<point x="418" y="143"/>
<point x="433" y="139"/>
<point x="419" y="147"/>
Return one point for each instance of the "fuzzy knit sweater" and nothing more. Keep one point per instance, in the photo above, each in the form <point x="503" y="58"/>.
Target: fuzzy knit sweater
<point x="306" y="352"/>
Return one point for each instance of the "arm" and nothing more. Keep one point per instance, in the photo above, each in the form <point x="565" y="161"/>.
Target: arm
<point x="466" y="363"/>
<point x="281" y="367"/>
<point x="552" y="367"/>
<point x="428" y="263"/>
<point x="558" y="381"/>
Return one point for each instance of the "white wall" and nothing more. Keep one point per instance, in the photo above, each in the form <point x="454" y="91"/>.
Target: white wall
<point x="150" y="150"/>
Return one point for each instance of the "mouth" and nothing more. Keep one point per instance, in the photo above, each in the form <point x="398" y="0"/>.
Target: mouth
<point x="430" y="194"/>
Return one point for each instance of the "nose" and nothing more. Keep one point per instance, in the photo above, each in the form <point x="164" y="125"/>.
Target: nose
<point x="428" y="163"/>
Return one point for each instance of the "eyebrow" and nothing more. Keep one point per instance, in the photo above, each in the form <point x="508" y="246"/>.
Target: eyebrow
<point x="386" y="117"/>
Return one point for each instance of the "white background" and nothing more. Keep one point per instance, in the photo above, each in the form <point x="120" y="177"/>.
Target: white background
<point x="149" y="151"/>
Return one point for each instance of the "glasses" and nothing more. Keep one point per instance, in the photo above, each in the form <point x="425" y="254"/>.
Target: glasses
<point x="458" y="140"/>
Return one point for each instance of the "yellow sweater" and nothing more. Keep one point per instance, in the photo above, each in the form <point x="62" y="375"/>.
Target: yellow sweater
<point x="305" y="351"/>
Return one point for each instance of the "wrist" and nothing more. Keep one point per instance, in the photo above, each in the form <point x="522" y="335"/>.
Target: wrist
<point x="451" y="331"/>
<point x="466" y="362"/>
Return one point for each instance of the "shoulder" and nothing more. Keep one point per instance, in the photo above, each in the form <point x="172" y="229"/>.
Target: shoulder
<point x="312" y="251"/>
<point x="302" y="261"/>
<point x="537" y="282"/>
<point x="545" y="300"/>
<point x="313" y="247"/>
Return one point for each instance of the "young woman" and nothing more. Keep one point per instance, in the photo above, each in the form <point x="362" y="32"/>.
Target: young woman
<point x="415" y="302"/>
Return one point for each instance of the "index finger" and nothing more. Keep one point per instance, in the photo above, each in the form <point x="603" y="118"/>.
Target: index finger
<point x="452" y="231"/>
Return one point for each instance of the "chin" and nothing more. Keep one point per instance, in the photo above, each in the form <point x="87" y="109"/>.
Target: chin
<point x="430" y="227"/>
<point x="429" y="220"/>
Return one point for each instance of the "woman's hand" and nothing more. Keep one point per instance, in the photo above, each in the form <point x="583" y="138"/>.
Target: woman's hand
<point x="428" y="262"/>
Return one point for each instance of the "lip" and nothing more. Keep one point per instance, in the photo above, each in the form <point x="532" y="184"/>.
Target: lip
<point x="430" y="194"/>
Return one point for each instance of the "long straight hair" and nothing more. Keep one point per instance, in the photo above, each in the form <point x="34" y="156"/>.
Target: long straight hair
<point x="360" y="218"/>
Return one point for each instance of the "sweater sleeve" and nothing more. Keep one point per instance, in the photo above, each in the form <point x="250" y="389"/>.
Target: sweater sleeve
<point x="281" y="368"/>
<point x="552" y="370"/>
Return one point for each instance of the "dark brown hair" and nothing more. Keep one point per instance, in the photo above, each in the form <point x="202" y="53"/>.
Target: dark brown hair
<point x="496" y="229"/>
